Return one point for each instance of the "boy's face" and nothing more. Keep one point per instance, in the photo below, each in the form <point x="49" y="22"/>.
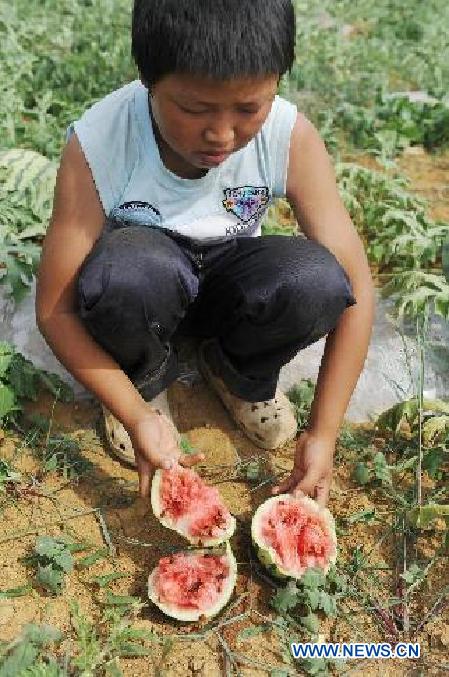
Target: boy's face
<point x="202" y="121"/>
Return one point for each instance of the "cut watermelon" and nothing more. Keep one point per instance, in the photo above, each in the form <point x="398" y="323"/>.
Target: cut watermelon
<point x="191" y="585"/>
<point x="183" y="502"/>
<point x="294" y="534"/>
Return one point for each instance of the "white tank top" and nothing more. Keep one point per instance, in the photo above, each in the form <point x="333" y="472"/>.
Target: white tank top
<point x="116" y="136"/>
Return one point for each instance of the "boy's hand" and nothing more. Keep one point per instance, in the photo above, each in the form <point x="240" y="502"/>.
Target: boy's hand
<point x="312" y="470"/>
<point x="155" y="446"/>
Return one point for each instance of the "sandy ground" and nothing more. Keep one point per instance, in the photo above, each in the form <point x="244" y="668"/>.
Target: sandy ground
<point x="140" y="541"/>
<point x="53" y="506"/>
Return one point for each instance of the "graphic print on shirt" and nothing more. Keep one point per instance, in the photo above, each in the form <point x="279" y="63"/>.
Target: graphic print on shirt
<point x="137" y="213"/>
<point x="248" y="204"/>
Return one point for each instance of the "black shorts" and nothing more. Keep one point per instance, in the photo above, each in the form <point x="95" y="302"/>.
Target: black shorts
<point x="261" y="300"/>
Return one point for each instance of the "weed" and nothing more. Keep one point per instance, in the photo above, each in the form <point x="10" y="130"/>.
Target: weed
<point x="59" y="453"/>
<point x="7" y="476"/>
<point x="52" y="559"/>
<point x="408" y="244"/>
<point x="301" y="396"/>
<point x="62" y="455"/>
<point x="99" y="646"/>
<point x="27" y="182"/>
<point x="25" y="655"/>
<point x="300" y="606"/>
<point x="20" y="380"/>
<point x="395" y="122"/>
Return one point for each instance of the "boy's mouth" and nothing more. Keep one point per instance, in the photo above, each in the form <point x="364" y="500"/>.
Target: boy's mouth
<point x="213" y="158"/>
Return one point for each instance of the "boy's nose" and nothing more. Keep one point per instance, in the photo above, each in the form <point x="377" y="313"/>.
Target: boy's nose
<point x="220" y="135"/>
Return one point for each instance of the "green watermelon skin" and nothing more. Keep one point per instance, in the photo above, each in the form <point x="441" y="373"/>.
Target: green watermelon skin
<point x="306" y="507"/>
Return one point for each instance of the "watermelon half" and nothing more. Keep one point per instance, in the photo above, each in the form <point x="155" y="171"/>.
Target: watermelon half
<point x="194" y="584"/>
<point x="293" y="534"/>
<point x="183" y="502"/>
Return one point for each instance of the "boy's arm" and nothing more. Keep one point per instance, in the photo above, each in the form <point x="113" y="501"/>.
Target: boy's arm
<point x="313" y="194"/>
<point x="75" y="226"/>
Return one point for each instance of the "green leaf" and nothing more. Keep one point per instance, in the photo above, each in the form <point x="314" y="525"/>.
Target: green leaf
<point x="186" y="447"/>
<point x="361" y="474"/>
<point x="328" y="603"/>
<point x="55" y="550"/>
<point x="7" y="474"/>
<point x="435" y="430"/>
<point x="414" y="573"/>
<point x="94" y="557"/>
<point x="21" y="591"/>
<point x="77" y="547"/>
<point x="285" y="598"/>
<point x="56" y="386"/>
<point x="392" y="419"/>
<point x="316" y="667"/>
<point x="313" y="578"/>
<point x="311" y="623"/>
<point x="129" y="649"/>
<point x="120" y="600"/>
<point x="423" y="517"/>
<point x="47" y="667"/>
<point x="64" y="560"/>
<point x="7" y="401"/>
<point x="340" y="581"/>
<point x="433" y="461"/>
<point x="249" y="633"/>
<point x="103" y="581"/>
<point x="381" y="469"/>
<point x="252" y="471"/>
<point x="41" y="635"/>
<point x="312" y="597"/>
<point x="22" y="376"/>
<point x="113" y="669"/>
<point x="50" y="579"/>
<point x="21" y="658"/>
<point x="367" y="516"/>
<point x="6" y="355"/>
<point x="47" y="546"/>
<point x="445" y="259"/>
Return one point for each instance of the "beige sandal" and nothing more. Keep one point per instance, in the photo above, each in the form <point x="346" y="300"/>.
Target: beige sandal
<point x="117" y="437"/>
<point x="268" y="424"/>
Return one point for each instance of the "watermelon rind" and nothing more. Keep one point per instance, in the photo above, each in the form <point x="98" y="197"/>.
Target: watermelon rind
<point x="267" y="555"/>
<point x="191" y="615"/>
<point x="201" y="541"/>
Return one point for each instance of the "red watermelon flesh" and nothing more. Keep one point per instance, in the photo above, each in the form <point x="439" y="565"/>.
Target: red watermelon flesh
<point x="191" y="581"/>
<point x="186" y="498"/>
<point x="300" y="539"/>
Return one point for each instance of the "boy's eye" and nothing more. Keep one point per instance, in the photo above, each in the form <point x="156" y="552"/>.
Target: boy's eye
<point x="192" y="112"/>
<point x="249" y="111"/>
<point x="244" y="111"/>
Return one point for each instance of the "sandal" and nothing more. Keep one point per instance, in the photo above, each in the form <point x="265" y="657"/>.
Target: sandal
<point x="268" y="424"/>
<point x="117" y="437"/>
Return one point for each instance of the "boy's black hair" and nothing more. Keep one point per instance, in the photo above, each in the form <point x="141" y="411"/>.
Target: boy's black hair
<point x="222" y="39"/>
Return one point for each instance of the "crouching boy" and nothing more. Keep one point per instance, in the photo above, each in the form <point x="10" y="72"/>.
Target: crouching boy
<point x="156" y="230"/>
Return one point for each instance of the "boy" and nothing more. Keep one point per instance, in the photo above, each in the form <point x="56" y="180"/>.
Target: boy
<point x="156" y="230"/>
